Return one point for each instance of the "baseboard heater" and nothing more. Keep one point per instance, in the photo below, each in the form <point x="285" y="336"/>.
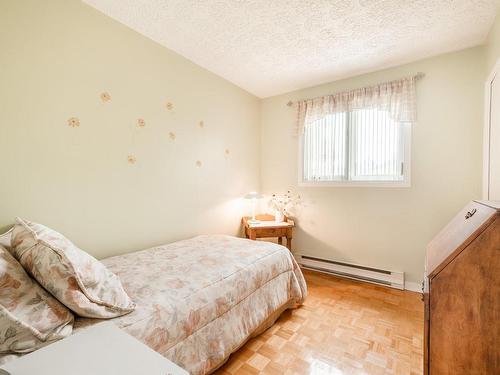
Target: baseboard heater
<point x="393" y="279"/>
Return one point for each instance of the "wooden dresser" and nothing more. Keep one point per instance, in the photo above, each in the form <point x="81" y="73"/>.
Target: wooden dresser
<point x="462" y="294"/>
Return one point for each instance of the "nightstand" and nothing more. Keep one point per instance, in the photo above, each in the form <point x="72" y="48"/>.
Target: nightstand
<point x="268" y="228"/>
<point x="102" y="349"/>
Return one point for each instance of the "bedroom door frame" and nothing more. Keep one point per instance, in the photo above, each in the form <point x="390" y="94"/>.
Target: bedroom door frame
<point x="487" y="128"/>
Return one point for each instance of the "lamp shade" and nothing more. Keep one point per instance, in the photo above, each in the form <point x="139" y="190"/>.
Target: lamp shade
<point x="253" y="195"/>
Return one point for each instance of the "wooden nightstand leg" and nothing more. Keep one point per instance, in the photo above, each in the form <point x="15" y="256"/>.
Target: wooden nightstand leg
<point x="252" y="235"/>
<point x="280" y="240"/>
<point x="289" y="243"/>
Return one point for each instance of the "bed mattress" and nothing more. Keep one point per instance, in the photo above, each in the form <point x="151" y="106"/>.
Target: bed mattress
<point x="200" y="299"/>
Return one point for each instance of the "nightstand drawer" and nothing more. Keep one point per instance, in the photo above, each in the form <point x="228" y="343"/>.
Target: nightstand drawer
<point x="271" y="232"/>
<point x="266" y="227"/>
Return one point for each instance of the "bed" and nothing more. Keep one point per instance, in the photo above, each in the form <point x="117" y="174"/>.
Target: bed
<point x="201" y="299"/>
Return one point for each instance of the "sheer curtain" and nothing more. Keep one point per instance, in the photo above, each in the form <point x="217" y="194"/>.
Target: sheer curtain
<point x="398" y="98"/>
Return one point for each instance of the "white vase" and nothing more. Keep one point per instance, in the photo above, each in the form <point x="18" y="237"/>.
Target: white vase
<point x="279" y="216"/>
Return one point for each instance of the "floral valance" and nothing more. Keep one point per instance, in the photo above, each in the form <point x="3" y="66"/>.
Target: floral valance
<point x="397" y="97"/>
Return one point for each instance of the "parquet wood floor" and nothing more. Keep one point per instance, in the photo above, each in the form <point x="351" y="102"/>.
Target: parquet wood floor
<point x="345" y="327"/>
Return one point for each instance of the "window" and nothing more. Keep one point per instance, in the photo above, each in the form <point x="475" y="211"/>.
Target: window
<point x="359" y="137"/>
<point x="362" y="147"/>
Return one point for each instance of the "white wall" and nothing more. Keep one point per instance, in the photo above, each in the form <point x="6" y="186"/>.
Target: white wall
<point x="389" y="227"/>
<point x="57" y="57"/>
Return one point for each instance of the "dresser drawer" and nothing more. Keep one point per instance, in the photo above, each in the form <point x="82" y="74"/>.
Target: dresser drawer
<point x="453" y="238"/>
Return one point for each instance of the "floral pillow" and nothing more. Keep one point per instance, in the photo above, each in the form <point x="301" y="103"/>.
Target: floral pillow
<point x="75" y="278"/>
<point x="5" y="239"/>
<point x="29" y="316"/>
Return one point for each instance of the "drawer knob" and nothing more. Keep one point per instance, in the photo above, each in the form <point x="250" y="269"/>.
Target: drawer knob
<point x="469" y="214"/>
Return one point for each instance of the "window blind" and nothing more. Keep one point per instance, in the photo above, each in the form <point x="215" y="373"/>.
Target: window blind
<point x="359" y="145"/>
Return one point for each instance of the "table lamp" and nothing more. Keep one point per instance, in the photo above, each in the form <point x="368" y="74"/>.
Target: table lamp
<point x="253" y="195"/>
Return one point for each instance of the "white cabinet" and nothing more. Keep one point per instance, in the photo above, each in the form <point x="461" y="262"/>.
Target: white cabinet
<point x="102" y="349"/>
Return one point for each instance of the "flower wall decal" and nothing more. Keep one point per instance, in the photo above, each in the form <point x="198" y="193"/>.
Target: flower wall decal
<point x="73" y="122"/>
<point x="105" y="97"/>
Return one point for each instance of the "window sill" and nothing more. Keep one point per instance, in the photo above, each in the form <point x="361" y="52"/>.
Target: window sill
<point x="362" y="184"/>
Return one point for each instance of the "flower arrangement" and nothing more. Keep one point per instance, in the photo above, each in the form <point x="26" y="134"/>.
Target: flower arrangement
<point x="282" y="204"/>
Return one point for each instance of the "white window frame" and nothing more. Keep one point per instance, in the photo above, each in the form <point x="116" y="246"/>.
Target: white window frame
<point x="405" y="183"/>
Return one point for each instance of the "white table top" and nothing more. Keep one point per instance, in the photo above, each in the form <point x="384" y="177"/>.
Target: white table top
<point x="269" y="223"/>
<point x="103" y="349"/>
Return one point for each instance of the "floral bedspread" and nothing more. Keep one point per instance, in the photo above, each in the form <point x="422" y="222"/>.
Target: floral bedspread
<point x="200" y="299"/>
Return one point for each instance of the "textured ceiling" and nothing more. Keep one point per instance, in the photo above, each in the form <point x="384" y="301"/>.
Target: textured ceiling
<point x="270" y="47"/>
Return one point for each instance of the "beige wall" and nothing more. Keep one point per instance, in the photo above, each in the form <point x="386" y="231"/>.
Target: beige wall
<point x="56" y="58"/>
<point x="389" y="227"/>
<point x="492" y="47"/>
